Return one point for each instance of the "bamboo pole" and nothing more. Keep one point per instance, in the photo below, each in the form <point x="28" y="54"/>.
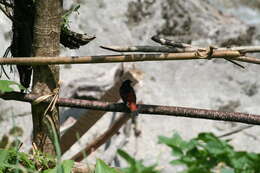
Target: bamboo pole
<point x="229" y="54"/>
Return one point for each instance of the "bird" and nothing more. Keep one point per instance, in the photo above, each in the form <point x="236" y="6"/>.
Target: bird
<point x="128" y="96"/>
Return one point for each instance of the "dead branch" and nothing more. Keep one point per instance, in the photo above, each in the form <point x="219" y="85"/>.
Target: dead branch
<point x="248" y="59"/>
<point x="142" y="49"/>
<point x="143" y="109"/>
<point x="228" y="54"/>
<point x="73" y="40"/>
<point x="166" y="49"/>
<point x="187" y="47"/>
<point x="171" y="43"/>
<point x="235" y="131"/>
<point x="102" y="138"/>
<point x="190" y="48"/>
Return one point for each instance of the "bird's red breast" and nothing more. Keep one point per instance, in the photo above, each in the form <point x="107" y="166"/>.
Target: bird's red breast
<point x="132" y="106"/>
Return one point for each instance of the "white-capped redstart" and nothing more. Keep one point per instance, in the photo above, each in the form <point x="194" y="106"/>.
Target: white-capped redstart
<point x="128" y="96"/>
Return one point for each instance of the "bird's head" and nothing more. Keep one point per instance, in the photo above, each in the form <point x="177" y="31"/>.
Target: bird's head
<point x="127" y="82"/>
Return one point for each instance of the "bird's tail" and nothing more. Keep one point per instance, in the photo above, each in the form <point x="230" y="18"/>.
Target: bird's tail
<point x="135" y="113"/>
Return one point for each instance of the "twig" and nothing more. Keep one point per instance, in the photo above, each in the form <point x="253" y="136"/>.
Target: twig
<point x="2" y="67"/>
<point x="184" y="46"/>
<point x="244" y="49"/>
<point x="102" y="138"/>
<point x="188" y="47"/>
<point x="6" y="4"/>
<point x="239" y="65"/>
<point x="235" y="131"/>
<point x="142" y="49"/>
<point x="248" y="59"/>
<point x="6" y="13"/>
<point x="144" y="109"/>
<point x="166" y="49"/>
<point x="172" y="43"/>
<point x="229" y="54"/>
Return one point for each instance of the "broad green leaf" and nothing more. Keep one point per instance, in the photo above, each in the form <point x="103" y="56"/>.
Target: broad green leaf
<point x="175" y="140"/>
<point x="227" y="170"/>
<point x="176" y="143"/>
<point x="65" y="166"/>
<point x="215" y="147"/>
<point x="6" y="86"/>
<point x="101" y="167"/>
<point x="176" y="151"/>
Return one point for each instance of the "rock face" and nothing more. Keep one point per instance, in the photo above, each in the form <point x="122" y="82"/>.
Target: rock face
<point x="189" y="21"/>
<point x="214" y="84"/>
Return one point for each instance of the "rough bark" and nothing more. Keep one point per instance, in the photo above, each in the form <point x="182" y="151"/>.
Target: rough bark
<point x="45" y="79"/>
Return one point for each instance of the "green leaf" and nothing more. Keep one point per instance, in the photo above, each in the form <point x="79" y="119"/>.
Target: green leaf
<point x="101" y="167"/>
<point x="6" y="86"/>
<point x="175" y="142"/>
<point x="65" y="22"/>
<point x="227" y="170"/>
<point x="215" y="148"/>
<point x="136" y="166"/>
<point x="76" y="8"/>
<point x="177" y="162"/>
<point x="3" y="156"/>
<point x="66" y="167"/>
<point x="130" y="160"/>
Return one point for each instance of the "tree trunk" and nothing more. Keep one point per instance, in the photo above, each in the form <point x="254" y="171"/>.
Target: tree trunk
<point x="46" y="39"/>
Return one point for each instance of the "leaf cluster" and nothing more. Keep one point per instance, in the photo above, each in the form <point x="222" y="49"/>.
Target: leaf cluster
<point x="208" y="153"/>
<point x="13" y="161"/>
<point x="134" y="166"/>
<point x="65" y="16"/>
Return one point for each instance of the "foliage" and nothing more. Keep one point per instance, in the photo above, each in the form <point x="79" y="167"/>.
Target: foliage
<point x="102" y="167"/>
<point x="66" y="167"/>
<point x="11" y="160"/>
<point x="65" y="17"/>
<point x="204" y="154"/>
<point x="135" y="166"/>
<point x="7" y="86"/>
<point x="207" y="153"/>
